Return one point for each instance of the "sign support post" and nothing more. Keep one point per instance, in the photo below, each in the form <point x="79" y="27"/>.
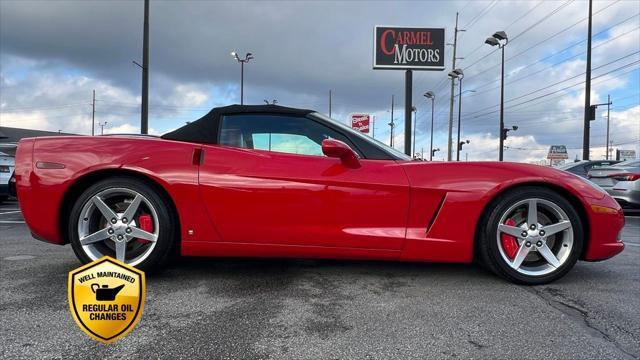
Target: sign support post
<point x="408" y="96"/>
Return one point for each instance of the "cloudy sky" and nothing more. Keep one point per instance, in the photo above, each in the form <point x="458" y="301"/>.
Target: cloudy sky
<point x="54" y="53"/>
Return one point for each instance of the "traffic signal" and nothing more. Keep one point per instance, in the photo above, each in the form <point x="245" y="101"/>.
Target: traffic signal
<point x="592" y="112"/>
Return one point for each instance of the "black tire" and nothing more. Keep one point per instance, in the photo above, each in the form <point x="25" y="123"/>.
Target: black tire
<point x="488" y="251"/>
<point x="167" y="237"/>
<point x="3" y="199"/>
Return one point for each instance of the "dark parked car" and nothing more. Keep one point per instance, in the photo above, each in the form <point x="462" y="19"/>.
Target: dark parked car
<point x="621" y="181"/>
<point x="582" y="168"/>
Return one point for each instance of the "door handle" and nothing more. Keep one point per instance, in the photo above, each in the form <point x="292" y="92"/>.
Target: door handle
<point x="198" y="156"/>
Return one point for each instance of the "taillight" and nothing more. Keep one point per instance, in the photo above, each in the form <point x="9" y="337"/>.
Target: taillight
<point x="626" y="176"/>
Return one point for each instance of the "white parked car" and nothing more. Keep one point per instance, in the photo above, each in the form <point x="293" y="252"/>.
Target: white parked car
<point x="621" y="181"/>
<point x="7" y="165"/>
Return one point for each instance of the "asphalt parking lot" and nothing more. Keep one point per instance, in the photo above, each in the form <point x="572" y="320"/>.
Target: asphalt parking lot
<point x="212" y="308"/>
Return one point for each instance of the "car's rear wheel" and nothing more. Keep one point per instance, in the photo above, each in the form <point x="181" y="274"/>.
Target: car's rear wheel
<point x="124" y="218"/>
<point x="531" y="236"/>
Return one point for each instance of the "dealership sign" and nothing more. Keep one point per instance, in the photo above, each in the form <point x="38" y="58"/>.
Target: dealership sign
<point x="557" y="152"/>
<point x="361" y="122"/>
<point x="398" y="47"/>
<point x="624" y="155"/>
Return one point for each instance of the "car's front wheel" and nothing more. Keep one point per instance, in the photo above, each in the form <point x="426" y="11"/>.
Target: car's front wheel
<point x="124" y="218"/>
<point x="531" y="236"/>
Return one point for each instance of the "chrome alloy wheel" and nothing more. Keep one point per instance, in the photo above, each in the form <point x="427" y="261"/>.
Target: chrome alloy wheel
<point x="542" y="233"/>
<point x="109" y="225"/>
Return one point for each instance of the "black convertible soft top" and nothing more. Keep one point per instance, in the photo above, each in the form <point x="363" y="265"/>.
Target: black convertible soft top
<point x="205" y="129"/>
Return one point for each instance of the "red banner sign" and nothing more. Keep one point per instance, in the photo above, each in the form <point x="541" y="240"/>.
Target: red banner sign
<point x="361" y="122"/>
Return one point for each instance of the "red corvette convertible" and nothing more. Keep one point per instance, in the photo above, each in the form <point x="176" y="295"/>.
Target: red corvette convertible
<point x="271" y="181"/>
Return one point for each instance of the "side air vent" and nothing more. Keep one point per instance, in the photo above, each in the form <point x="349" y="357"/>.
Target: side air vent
<point x="435" y="213"/>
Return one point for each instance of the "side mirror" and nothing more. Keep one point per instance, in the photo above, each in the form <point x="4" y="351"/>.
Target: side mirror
<point x="337" y="149"/>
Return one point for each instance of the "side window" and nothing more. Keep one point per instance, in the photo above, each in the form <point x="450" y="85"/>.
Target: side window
<point x="287" y="134"/>
<point x="583" y="170"/>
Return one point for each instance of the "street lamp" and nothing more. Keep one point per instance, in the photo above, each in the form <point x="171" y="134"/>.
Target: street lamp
<point x="458" y="73"/>
<point x="246" y="59"/>
<point x="431" y="95"/>
<point x="461" y="143"/>
<point x="500" y="40"/>
<point x="102" y="125"/>
<point x="503" y="135"/>
<point x="434" y="151"/>
<point x="415" y="115"/>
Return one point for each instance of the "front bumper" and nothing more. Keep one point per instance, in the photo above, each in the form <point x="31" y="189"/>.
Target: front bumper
<point x="606" y="221"/>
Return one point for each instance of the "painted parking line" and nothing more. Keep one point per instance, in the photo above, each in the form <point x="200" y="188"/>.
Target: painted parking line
<point x="10" y="212"/>
<point x="632" y="244"/>
<point x="11" y="222"/>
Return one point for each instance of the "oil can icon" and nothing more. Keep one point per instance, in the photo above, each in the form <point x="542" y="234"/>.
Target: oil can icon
<point x="105" y="293"/>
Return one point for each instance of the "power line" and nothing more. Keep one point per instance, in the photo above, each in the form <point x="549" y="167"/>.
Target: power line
<point x="549" y="66"/>
<point x="563" y="89"/>
<point x="547" y="16"/>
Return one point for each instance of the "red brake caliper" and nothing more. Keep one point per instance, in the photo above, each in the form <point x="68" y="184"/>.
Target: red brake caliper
<point x="145" y="223"/>
<point x="509" y="242"/>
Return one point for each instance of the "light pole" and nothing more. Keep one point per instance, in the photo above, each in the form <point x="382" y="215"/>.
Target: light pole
<point x="431" y="95"/>
<point x="415" y="116"/>
<point x="391" y="124"/>
<point x="102" y="125"/>
<point x="246" y="59"/>
<point x="501" y="40"/>
<point x="458" y="73"/>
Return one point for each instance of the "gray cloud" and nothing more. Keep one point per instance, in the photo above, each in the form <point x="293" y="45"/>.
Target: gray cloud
<point x="303" y="49"/>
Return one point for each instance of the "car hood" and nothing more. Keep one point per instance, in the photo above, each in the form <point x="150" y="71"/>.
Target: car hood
<point x="491" y="177"/>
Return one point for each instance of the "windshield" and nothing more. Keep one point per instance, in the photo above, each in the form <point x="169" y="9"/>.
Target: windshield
<point x="628" y="163"/>
<point x="385" y="147"/>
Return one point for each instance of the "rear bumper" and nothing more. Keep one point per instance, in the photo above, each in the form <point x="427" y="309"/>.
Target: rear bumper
<point x="628" y="199"/>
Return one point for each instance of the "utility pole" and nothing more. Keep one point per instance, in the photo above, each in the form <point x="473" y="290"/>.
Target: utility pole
<point x="144" y="115"/>
<point x="608" y="116"/>
<point x="587" y="91"/>
<point x="453" y="66"/>
<point x="93" y="114"/>
<point x="459" y="112"/>
<point x="329" y="102"/>
<point x="373" y="126"/>
<point x="415" y="120"/>
<point x="408" y="97"/>
<point x="391" y="124"/>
